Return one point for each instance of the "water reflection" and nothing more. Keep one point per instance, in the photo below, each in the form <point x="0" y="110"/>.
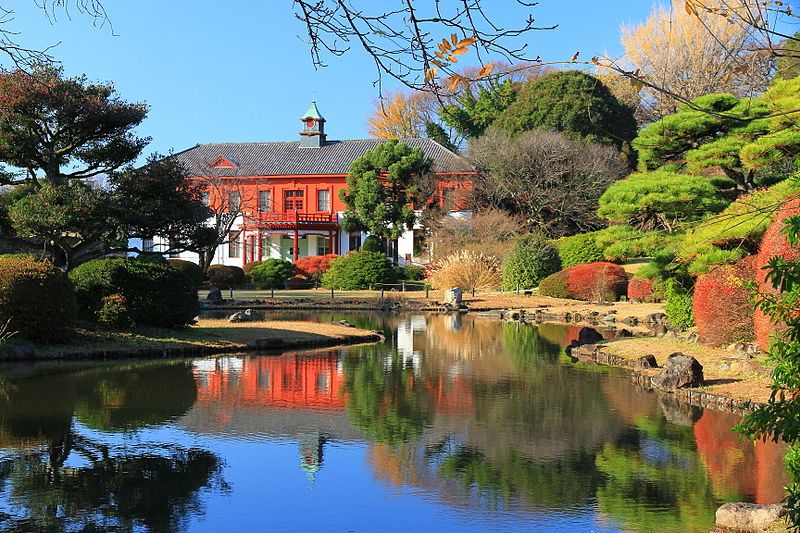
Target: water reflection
<point x="453" y="412"/>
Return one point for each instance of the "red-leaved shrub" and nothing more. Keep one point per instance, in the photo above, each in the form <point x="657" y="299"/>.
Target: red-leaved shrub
<point x="314" y="266"/>
<point x="640" y="290"/>
<point x="593" y="282"/>
<point x="723" y="312"/>
<point x="774" y="244"/>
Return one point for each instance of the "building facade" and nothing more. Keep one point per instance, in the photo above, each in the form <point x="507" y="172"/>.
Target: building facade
<point x="286" y="194"/>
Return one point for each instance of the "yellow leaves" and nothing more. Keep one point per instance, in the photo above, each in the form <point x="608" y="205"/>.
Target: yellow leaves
<point x="691" y="9"/>
<point x="447" y="55"/>
<point x="486" y="70"/>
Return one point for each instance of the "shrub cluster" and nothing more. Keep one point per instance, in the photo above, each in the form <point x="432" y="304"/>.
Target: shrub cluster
<point x="314" y="266"/>
<point x="721" y="305"/>
<point x="36" y="299"/>
<point x="248" y="267"/>
<point x="578" y="249"/>
<point x="679" y="304"/>
<point x="371" y="244"/>
<point x="123" y="292"/>
<point x="226" y="277"/>
<point x="466" y="270"/>
<point x="641" y="290"/>
<point x="358" y="271"/>
<point x="601" y="281"/>
<point x="774" y="244"/>
<point x="191" y="271"/>
<point x="272" y="274"/>
<point x="531" y="259"/>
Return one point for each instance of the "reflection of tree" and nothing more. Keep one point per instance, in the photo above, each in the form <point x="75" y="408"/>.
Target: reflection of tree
<point x="384" y="399"/>
<point x="571" y="479"/>
<point x="133" y="398"/>
<point x="122" y="492"/>
<point x="526" y="346"/>
<point x="656" y="482"/>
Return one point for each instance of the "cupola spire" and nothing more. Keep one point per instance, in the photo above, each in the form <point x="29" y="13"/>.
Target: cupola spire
<point x="313" y="133"/>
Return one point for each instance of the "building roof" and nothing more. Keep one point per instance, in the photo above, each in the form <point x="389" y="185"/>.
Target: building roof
<point x="312" y="112"/>
<point x="289" y="158"/>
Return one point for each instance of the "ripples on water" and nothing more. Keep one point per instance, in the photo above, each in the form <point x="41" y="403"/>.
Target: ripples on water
<point x="454" y="423"/>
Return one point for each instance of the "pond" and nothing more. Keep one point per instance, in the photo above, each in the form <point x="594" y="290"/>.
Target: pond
<point x="453" y="423"/>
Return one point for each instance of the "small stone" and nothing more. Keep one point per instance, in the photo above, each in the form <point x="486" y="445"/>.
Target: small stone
<point x="743" y="350"/>
<point x="646" y="361"/>
<point x="749" y="517"/>
<point x="453" y="296"/>
<point x="248" y="315"/>
<point x="344" y="323"/>
<point x="656" y="319"/>
<point x="680" y="371"/>
<point x="214" y="295"/>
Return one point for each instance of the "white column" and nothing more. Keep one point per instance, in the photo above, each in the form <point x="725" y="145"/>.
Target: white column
<point x="312" y="244"/>
<point x="274" y="246"/>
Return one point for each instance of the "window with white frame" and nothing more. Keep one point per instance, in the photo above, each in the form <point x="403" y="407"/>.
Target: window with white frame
<point x="234" y="244"/>
<point x="264" y="201"/>
<point x="323" y="200"/>
<point x="323" y="245"/>
<point x="234" y="202"/>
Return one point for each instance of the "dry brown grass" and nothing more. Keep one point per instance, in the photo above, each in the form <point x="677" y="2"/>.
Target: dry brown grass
<point x="289" y="331"/>
<point x="732" y="384"/>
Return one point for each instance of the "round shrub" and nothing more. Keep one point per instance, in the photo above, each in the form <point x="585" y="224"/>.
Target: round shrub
<point x="371" y="244"/>
<point x="774" y="244"/>
<point x="37" y="299"/>
<point x="721" y="305"/>
<point x="595" y="282"/>
<point x="191" y="271"/>
<point x="225" y="277"/>
<point x="358" y="271"/>
<point x="577" y="250"/>
<point x="272" y="274"/>
<point x="248" y="267"/>
<point x="413" y="272"/>
<point x="531" y="259"/>
<point x="121" y="291"/>
<point x="679" y="305"/>
<point x="554" y="286"/>
<point x="314" y="266"/>
<point x="640" y="290"/>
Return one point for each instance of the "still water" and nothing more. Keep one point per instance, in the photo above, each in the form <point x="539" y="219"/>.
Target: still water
<point x="454" y="423"/>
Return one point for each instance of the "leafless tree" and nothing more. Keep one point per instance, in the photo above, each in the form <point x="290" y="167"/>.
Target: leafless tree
<point x="26" y="58"/>
<point x="550" y="180"/>
<point x="228" y="201"/>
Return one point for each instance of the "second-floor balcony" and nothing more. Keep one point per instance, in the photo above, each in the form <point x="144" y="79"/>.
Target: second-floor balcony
<point x="292" y="219"/>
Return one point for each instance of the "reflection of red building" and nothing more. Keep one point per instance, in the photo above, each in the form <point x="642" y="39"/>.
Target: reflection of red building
<point x="289" y="381"/>
<point x="753" y="470"/>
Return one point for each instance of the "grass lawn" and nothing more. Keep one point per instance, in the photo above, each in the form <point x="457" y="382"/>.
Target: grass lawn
<point x="206" y="333"/>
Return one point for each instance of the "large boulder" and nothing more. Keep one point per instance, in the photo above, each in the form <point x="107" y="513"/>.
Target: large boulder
<point x="750" y="517"/>
<point x="215" y="295"/>
<point x="680" y="372"/>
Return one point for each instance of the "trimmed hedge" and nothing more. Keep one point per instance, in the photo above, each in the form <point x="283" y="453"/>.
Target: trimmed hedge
<point x="774" y="244"/>
<point x="123" y="292"/>
<point x="721" y="305"/>
<point x="679" y="305"/>
<point x="272" y="274"/>
<point x="192" y="271"/>
<point x="358" y="271"/>
<point x="531" y="259"/>
<point x="641" y="290"/>
<point x="226" y="277"/>
<point x="37" y="299"/>
<point x="578" y="249"/>
<point x="599" y="281"/>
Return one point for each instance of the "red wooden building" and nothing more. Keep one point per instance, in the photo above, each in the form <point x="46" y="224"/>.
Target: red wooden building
<point x="289" y="191"/>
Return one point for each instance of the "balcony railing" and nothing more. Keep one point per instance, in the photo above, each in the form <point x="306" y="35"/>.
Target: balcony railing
<point x="295" y="217"/>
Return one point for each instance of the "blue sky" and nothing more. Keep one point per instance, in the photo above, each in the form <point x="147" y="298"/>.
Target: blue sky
<point x="238" y="70"/>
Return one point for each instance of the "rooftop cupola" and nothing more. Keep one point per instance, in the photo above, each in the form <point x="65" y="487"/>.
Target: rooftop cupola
<point x="313" y="134"/>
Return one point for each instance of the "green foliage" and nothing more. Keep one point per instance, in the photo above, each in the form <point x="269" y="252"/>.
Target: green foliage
<point x="225" y="276"/>
<point x="659" y="200"/>
<point x="129" y="292"/>
<point x="36" y="299"/>
<point x="381" y="188"/>
<point x="436" y="132"/>
<point x="413" y="272"/>
<point x="733" y="233"/>
<point x="531" y="259"/>
<point x="578" y="249"/>
<point x="372" y="244"/>
<point x="554" y="286"/>
<point x="679" y="305"/>
<point x="778" y="420"/>
<point x="272" y="274"/>
<point x="473" y="113"/>
<point x="788" y="64"/>
<point x="574" y="103"/>
<point x="358" y="271"/>
<point x="191" y="271"/>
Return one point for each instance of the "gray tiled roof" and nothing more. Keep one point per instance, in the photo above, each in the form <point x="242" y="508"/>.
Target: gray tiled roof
<point x="288" y="158"/>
